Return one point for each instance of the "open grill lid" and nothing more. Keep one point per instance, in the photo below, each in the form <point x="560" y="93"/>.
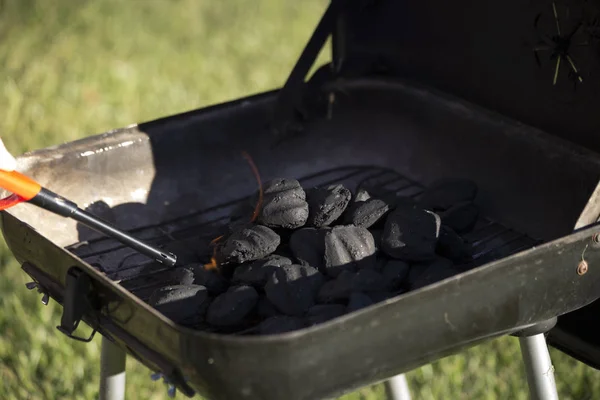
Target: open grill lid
<point x="537" y="62"/>
<point x="500" y="55"/>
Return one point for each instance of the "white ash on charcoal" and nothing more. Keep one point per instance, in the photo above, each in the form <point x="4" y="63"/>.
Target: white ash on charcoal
<point x="326" y="204"/>
<point x="361" y="195"/>
<point x="461" y="217"/>
<point x="183" y="304"/>
<point x="284" y="204"/>
<point x="257" y="273"/>
<point x="293" y="288"/>
<point x="357" y="301"/>
<point x="348" y="248"/>
<point x="232" y="308"/>
<point x="249" y="243"/>
<point x="324" y="312"/>
<point x="447" y="192"/>
<point x="367" y="213"/>
<point x="314" y="255"/>
<point x="411" y="234"/>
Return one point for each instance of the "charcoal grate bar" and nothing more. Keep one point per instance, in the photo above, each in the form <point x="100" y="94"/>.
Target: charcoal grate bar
<point x="489" y="240"/>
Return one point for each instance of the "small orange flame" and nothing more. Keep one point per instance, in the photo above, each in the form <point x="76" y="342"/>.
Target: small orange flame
<point x="213" y="264"/>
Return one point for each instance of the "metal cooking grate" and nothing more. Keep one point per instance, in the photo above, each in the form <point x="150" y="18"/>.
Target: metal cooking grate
<point x="189" y="236"/>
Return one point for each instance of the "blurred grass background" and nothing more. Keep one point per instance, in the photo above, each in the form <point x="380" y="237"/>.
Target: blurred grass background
<point x="72" y="69"/>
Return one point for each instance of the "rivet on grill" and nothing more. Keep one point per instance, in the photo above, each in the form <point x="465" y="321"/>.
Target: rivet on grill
<point x="596" y="237"/>
<point x="582" y="268"/>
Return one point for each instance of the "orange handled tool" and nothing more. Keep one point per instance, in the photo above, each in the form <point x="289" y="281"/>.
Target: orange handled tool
<point x="25" y="189"/>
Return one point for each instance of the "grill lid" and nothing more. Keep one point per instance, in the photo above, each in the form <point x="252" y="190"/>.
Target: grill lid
<point x="501" y="55"/>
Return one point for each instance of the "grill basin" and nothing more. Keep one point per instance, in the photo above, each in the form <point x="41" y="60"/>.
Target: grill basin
<point x="178" y="178"/>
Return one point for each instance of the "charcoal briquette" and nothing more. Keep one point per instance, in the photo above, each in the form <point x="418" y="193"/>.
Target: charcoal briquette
<point x="357" y="301"/>
<point x="451" y="246"/>
<point x="424" y="274"/>
<point x="326" y="204"/>
<point x="258" y="272"/>
<point x="265" y="308"/>
<point x="384" y="295"/>
<point x="395" y="273"/>
<point x="233" y="307"/>
<point x="183" y="304"/>
<point x="284" y="204"/>
<point x="214" y="282"/>
<point x="249" y="243"/>
<point x="367" y="213"/>
<point x="348" y="247"/>
<point x="361" y="195"/>
<point x="339" y="289"/>
<point x="410" y="234"/>
<point x="308" y="246"/>
<point x="444" y="193"/>
<point x="292" y="288"/>
<point x="281" y="324"/>
<point x="324" y="312"/>
<point x="461" y="217"/>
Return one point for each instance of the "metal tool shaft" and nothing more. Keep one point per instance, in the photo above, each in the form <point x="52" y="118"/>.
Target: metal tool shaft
<point x="96" y="224"/>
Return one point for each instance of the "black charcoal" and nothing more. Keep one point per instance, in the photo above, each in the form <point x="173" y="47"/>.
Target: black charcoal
<point x="383" y="296"/>
<point x="326" y="204"/>
<point x="249" y="244"/>
<point x="233" y="307"/>
<point x="341" y="288"/>
<point x="367" y="213"/>
<point x="451" y="246"/>
<point x="281" y="324"/>
<point x="284" y="204"/>
<point x="395" y="273"/>
<point x="423" y="274"/>
<point x="348" y="247"/>
<point x="214" y="282"/>
<point x="183" y="304"/>
<point x="410" y="234"/>
<point x="461" y="217"/>
<point x="258" y="272"/>
<point x="357" y="301"/>
<point x="324" y="312"/>
<point x="308" y="246"/>
<point x="444" y="193"/>
<point x="338" y="289"/>
<point x="265" y="308"/>
<point x="292" y="288"/>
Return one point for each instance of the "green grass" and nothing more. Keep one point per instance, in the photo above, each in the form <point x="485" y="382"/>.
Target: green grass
<point x="72" y="69"/>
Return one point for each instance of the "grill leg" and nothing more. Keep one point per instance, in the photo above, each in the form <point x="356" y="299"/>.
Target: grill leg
<point x="397" y="388"/>
<point x="112" y="371"/>
<point x="538" y="366"/>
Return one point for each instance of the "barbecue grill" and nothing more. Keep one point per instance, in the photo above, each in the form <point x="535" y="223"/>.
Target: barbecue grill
<point x="415" y="91"/>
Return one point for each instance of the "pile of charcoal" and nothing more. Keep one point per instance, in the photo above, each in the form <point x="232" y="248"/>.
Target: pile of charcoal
<point x="311" y="255"/>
